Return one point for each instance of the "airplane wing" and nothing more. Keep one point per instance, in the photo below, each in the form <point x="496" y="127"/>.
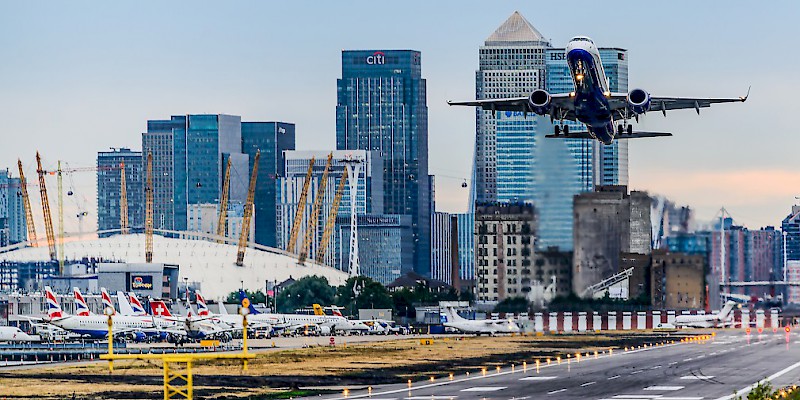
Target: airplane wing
<point x="619" y="101"/>
<point x="562" y="105"/>
<point x="586" y="135"/>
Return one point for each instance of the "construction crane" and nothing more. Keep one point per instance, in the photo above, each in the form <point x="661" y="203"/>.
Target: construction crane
<point x="148" y="219"/>
<point x="23" y="188"/>
<point x="312" y="221"/>
<point x="248" y="212"/>
<point x="123" y="201"/>
<point x="331" y="222"/>
<point x="301" y="209"/>
<point x="223" y="203"/>
<point x="60" y="219"/>
<point x="48" y="220"/>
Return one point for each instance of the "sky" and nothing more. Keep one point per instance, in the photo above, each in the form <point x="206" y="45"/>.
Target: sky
<point x="79" y="77"/>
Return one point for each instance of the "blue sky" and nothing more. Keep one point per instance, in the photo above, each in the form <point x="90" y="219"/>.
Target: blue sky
<point x="77" y="77"/>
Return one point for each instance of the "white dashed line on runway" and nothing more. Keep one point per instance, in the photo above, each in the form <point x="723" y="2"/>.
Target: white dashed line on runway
<point x="484" y="389"/>
<point x="557" y="391"/>
<point x="613" y="377"/>
<point x="663" y="388"/>
<point x="538" y="378"/>
<point x="697" y="377"/>
<point x="588" y="384"/>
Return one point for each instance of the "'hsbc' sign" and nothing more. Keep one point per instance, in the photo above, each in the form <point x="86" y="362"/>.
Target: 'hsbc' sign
<point x="377" y="58"/>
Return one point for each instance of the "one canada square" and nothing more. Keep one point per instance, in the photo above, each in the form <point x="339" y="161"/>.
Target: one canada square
<point x="513" y="160"/>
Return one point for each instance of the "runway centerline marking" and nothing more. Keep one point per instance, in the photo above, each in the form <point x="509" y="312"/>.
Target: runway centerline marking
<point x="557" y="391"/>
<point x="588" y="384"/>
<point x="537" y="378"/>
<point x="613" y="377"/>
<point x="636" y="372"/>
<point x="697" y="377"/>
<point x="484" y="389"/>
<point x="664" y="388"/>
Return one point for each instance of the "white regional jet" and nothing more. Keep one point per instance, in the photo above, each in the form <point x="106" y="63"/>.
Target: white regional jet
<point x="451" y="319"/>
<point x="716" y="320"/>
<point x="14" y="334"/>
<point x="592" y="102"/>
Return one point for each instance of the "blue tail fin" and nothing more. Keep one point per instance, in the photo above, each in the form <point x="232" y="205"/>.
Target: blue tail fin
<point x="242" y="297"/>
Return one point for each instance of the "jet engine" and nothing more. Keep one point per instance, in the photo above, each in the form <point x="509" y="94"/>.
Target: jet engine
<point x="639" y="101"/>
<point x="539" y="101"/>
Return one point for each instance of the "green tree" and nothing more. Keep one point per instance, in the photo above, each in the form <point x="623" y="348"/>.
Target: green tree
<point x="370" y="294"/>
<point x="512" y="305"/>
<point x="306" y="292"/>
<point x="256" y="297"/>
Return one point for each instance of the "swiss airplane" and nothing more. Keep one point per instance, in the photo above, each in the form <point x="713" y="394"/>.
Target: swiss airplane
<point x="592" y="102"/>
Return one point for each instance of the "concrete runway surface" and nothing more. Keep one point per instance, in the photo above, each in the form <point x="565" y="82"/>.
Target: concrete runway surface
<point x="713" y="369"/>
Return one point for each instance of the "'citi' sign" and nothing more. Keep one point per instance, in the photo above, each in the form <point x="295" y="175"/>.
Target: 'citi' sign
<point x="377" y="58"/>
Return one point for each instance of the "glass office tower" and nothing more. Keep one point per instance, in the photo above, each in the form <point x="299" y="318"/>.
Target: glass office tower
<point x="382" y="106"/>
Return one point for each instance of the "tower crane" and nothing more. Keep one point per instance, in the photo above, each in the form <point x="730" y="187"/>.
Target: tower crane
<point x="312" y="221"/>
<point x="331" y="222"/>
<point x="301" y="208"/>
<point x="60" y="220"/>
<point x="223" y="203"/>
<point x="48" y="220"/>
<point x="248" y="212"/>
<point x="123" y="201"/>
<point x="23" y="188"/>
<point x="148" y="219"/>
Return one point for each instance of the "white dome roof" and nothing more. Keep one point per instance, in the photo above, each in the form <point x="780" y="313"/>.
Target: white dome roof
<point x="210" y="263"/>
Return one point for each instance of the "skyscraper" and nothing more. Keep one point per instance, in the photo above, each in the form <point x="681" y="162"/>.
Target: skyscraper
<point x="382" y="106"/>
<point x="109" y="188"/>
<point x="511" y="63"/>
<point x="189" y="156"/>
<point x="272" y="139"/>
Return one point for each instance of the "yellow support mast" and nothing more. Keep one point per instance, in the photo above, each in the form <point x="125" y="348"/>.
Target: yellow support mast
<point x="148" y="220"/>
<point x="331" y="222"/>
<point x="248" y="212"/>
<point x="26" y="201"/>
<point x="60" y="219"/>
<point x="223" y="203"/>
<point x="123" y="201"/>
<point x="312" y="221"/>
<point x="48" y="219"/>
<point x="301" y="209"/>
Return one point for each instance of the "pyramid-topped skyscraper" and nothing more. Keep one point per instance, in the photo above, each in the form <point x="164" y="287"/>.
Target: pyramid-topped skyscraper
<point x="511" y="63"/>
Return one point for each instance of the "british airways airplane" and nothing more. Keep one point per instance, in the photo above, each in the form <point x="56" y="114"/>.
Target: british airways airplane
<point x="592" y="103"/>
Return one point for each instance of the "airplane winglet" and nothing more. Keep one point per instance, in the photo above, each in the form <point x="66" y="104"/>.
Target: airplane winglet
<point x="746" y="95"/>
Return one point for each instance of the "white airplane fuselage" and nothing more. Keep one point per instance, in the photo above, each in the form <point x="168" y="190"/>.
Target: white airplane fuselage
<point x="14" y="334"/>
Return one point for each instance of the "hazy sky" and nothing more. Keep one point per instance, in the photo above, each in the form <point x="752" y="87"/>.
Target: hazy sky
<point x="77" y="77"/>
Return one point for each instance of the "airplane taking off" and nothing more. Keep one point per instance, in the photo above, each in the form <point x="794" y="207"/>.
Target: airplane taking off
<point x="592" y="102"/>
<point x="717" y="320"/>
<point x="451" y="319"/>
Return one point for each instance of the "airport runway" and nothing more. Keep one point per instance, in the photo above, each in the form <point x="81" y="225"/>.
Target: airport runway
<point x="714" y="369"/>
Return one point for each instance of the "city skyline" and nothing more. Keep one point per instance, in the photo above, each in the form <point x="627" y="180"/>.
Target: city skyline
<point x="69" y="61"/>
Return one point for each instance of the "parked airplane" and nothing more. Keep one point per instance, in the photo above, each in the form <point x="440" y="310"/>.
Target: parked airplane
<point x="716" y="320"/>
<point x="451" y="319"/>
<point x="95" y="326"/>
<point x="14" y="334"/>
<point x="592" y="102"/>
<point x="81" y="308"/>
<point x="327" y="324"/>
<point x="258" y="321"/>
